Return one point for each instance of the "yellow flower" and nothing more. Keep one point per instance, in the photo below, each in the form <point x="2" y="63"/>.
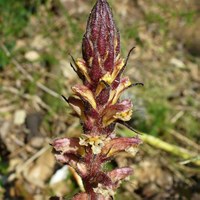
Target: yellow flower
<point x="120" y="111"/>
<point x="124" y="116"/>
<point x="81" y="65"/>
<point x="109" y="77"/>
<point x="115" y="94"/>
<point x="85" y="93"/>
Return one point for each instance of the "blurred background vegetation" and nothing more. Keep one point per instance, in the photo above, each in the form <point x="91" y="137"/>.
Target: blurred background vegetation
<point x="36" y="38"/>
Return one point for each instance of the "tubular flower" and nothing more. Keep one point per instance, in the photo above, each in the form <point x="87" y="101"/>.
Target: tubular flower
<point x="97" y="103"/>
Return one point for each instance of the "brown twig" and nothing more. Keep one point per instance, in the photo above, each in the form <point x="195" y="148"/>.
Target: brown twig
<point x="167" y="147"/>
<point x="28" y="76"/>
<point x="22" y="167"/>
<point x="185" y="139"/>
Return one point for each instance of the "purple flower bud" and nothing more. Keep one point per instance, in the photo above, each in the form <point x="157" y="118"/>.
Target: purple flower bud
<point x="101" y="42"/>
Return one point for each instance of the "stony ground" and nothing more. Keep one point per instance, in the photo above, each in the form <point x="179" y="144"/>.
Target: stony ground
<point x="37" y="40"/>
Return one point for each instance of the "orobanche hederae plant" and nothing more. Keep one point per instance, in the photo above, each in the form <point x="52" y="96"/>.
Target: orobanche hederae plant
<point x="98" y="105"/>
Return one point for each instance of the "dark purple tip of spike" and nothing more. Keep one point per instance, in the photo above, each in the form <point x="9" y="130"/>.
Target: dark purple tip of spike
<point x="101" y="42"/>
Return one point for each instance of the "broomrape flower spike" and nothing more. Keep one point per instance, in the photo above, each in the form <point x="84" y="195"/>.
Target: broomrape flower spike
<point x="97" y="103"/>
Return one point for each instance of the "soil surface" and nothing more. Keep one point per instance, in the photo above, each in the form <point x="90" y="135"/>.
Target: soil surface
<point x="38" y="38"/>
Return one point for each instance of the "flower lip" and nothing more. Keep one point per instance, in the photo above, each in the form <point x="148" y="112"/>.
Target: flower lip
<point x="119" y="111"/>
<point x="96" y="142"/>
<point x="117" y="145"/>
<point x="118" y="174"/>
